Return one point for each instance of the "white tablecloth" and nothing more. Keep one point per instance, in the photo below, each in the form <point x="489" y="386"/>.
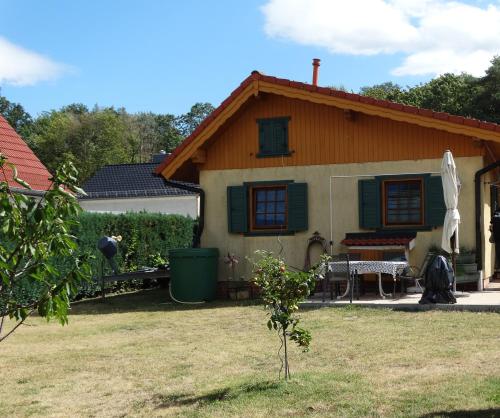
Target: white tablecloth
<point x="369" y="266"/>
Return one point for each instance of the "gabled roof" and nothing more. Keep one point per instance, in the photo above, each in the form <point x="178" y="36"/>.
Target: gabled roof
<point x="257" y="82"/>
<point x="129" y="180"/>
<point x="29" y="167"/>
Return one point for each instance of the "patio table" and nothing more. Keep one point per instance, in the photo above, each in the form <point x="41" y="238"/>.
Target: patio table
<point x="370" y="266"/>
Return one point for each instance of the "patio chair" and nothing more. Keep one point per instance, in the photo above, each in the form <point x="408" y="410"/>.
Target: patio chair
<point x="414" y="274"/>
<point x="341" y="274"/>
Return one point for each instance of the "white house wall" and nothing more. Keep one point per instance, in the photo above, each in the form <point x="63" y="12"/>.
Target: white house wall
<point x="345" y="207"/>
<point x="181" y="205"/>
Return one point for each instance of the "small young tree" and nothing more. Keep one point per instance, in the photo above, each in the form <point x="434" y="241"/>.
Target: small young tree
<point x="39" y="268"/>
<point x="282" y="290"/>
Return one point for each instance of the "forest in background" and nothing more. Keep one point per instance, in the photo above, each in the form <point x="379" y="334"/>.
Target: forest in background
<point x="92" y="138"/>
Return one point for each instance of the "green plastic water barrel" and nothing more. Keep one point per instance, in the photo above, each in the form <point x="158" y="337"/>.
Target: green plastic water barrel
<point x="193" y="274"/>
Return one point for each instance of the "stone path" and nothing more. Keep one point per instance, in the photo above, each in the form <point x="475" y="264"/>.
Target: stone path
<point x="471" y="301"/>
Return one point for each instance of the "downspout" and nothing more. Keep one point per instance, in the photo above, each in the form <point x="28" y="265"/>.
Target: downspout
<point x="477" y="193"/>
<point x="201" y="219"/>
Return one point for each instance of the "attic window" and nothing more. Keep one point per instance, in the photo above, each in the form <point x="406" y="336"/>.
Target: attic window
<point x="273" y="137"/>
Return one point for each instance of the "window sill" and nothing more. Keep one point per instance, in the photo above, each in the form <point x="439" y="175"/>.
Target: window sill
<point x="278" y="154"/>
<point x="407" y="228"/>
<point x="268" y="233"/>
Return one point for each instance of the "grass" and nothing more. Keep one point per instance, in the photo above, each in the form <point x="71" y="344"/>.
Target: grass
<point x="139" y="355"/>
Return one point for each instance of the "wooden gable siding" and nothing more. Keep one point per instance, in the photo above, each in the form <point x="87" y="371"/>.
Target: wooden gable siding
<point x="321" y="134"/>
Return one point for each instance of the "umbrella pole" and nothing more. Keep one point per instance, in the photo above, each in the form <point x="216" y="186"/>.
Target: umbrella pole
<point x="454" y="265"/>
<point x="454" y="262"/>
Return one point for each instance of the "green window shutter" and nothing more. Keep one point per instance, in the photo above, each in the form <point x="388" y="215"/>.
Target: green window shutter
<point x="297" y="207"/>
<point x="237" y="209"/>
<point x="370" y="204"/>
<point x="273" y="137"/>
<point x="265" y="137"/>
<point x="280" y="137"/>
<point x="435" y="208"/>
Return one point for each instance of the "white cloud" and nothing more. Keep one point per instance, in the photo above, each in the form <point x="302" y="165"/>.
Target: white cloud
<point x="21" y="67"/>
<point x="436" y="36"/>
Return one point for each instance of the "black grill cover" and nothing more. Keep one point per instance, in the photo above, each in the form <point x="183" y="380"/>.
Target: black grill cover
<point x="108" y="247"/>
<point x="439" y="279"/>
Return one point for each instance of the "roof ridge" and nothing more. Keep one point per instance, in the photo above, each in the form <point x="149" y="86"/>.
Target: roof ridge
<point x="119" y="164"/>
<point x="360" y="97"/>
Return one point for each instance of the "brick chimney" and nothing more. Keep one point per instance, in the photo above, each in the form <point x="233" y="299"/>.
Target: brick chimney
<point x="316" y="62"/>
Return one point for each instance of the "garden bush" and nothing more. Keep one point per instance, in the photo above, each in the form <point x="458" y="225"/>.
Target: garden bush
<point x="146" y="240"/>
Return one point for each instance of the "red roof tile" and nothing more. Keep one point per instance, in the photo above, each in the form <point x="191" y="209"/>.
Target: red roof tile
<point x="29" y="167"/>
<point x="255" y="75"/>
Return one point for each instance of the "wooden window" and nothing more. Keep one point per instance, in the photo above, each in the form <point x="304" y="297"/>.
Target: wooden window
<point x="387" y="202"/>
<point x="403" y="202"/>
<point x="273" y="137"/>
<point x="269" y="208"/>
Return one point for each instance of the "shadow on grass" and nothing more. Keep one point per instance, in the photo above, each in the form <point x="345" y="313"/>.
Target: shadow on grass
<point x="480" y="413"/>
<point x="186" y="399"/>
<point x="150" y="300"/>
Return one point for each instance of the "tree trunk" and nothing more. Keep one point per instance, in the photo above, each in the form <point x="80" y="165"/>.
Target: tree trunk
<point x="287" y="370"/>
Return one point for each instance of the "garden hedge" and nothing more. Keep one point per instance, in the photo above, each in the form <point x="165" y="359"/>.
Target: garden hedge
<point x="146" y="239"/>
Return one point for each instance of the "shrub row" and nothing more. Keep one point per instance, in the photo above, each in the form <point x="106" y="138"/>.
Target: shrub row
<point x="146" y="240"/>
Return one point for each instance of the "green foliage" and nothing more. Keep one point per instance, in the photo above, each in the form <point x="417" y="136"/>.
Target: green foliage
<point x="447" y="93"/>
<point x="461" y="94"/>
<point x="153" y="133"/>
<point x="146" y="240"/>
<point x="486" y="100"/>
<point x="282" y="290"/>
<point x="40" y="265"/>
<point x="88" y="139"/>
<point x="385" y="91"/>
<point x="94" y="138"/>
<point x="17" y="117"/>
<point x="188" y="122"/>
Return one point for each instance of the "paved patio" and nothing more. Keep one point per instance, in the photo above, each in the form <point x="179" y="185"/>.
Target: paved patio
<point x="488" y="301"/>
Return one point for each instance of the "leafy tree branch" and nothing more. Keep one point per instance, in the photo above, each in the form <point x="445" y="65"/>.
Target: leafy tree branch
<point x="34" y="234"/>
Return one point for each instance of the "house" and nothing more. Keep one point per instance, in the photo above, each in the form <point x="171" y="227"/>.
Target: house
<point x="279" y="160"/>
<point x="29" y="167"/>
<point x="124" y="188"/>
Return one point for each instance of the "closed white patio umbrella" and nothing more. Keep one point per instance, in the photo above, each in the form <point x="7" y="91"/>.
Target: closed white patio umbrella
<point x="451" y="190"/>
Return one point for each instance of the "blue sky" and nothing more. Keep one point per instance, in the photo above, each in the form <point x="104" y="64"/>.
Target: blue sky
<point x="165" y="55"/>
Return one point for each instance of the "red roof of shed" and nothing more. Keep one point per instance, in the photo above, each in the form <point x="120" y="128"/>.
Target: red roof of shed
<point x="29" y="167"/>
<point x="373" y="242"/>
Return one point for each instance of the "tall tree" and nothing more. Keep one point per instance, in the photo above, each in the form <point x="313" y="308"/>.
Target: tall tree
<point x="152" y="133"/>
<point x="486" y="101"/>
<point x="17" y="117"/>
<point x="449" y="93"/>
<point x="188" y="122"/>
<point x="90" y="139"/>
<point x="385" y="91"/>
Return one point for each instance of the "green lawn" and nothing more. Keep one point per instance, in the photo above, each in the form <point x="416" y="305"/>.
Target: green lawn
<point x="139" y="355"/>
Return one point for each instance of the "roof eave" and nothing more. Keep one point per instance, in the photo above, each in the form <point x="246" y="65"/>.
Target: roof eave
<point x="208" y="127"/>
